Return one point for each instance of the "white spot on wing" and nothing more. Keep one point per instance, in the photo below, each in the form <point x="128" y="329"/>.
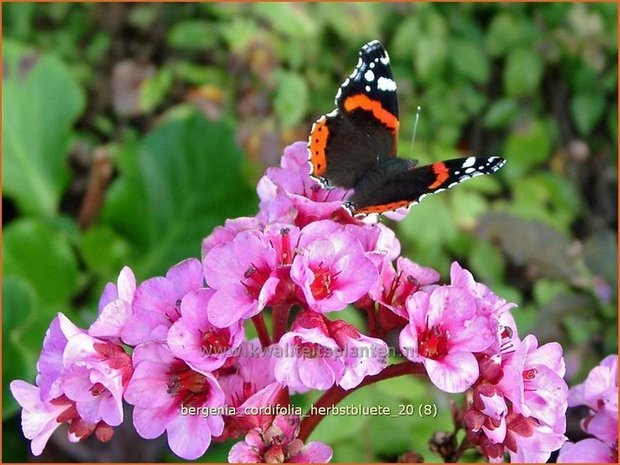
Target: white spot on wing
<point x="469" y="162"/>
<point x="369" y="76"/>
<point x="384" y="83"/>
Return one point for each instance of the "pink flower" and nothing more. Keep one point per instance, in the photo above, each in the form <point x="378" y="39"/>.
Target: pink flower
<point x="332" y="271"/>
<point x="156" y="303"/>
<point x="96" y="374"/>
<point x="241" y="272"/>
<point x="361" y="355"/>
<point x="600" y="387"/>
<point x="396" y="285"/>
<point x="528" y="441"/>
<point x="91" y="372"/>
<point x="590" y="450"/>
<point x="279" y="444"/>
<point x="193" y="338"/>
<point x="169" y="396"/>
<point x="289" y="195"/>
<point x="115" y="307"/>
<point x="226" y="233"/>
<point x="39" y="417"/>
<point x="249" y="384"/>
<point x="80" y="380"/>
<point x="443" y="333"/>
<point x="310" y="357"/>
<point x="599" y="392"/>
<point x="488" y="302"/>
<point x="533" y="382"/>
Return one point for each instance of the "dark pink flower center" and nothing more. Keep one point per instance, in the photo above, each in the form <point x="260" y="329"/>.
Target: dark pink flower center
<point x="254" y="279"/>
<point x="401" y="289"/>
<point x="433" y="342"/>
<point x="285" y="246"/>
<point x="97" y="389"/>
<point x="188" y="386"/>
<point x="215" y="341"/>
<point x="321" y="287"/>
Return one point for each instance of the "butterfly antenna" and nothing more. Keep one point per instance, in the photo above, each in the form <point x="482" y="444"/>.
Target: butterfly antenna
<point x="415" y="126"/>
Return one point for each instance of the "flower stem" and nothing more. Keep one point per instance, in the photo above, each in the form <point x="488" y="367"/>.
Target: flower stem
<point x="280" y="318"/>
<point x="335" y="394"/>
<point x="261" y="330"/>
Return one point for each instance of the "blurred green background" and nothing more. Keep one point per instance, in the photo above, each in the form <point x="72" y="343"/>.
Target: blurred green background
<point x="131" y="130"/>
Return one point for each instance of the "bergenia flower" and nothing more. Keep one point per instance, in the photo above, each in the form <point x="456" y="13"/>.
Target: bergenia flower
<point x="310" y="358"/>
<point x="156" y="303"/>
<point x="80" y="381"/>
<point x="195" y="340"/>
<point x="443" y="333"/>
<point x="91" y="372"/>
<point x="40" y="418"/>
<point x="279" y="444"/>
<point x="600" y="393"/>
<point x="168" y="396"/>
<point x="241" y="273"/>
<point x="361" y="355"/>
<point x="226" y="233"/>
<point x="115" y="307"/>
<point x="288" y="194"/>
<point x="332" y="271"/>
<point x="533" y="382"/>
<point x="251" y="389"/>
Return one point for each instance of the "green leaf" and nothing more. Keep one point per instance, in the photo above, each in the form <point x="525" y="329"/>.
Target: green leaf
<point x="41" y="254"/>
<point x="41" y="101"/>
<point x="508" y="31"/>
<point x="291" y="99"/>
<point x="486" y="262"/>
<point x="154" y="89"/>
<point x="193" y="34"/>
<point x="526" y="147"/>
<point x="587" y="109"/>
<point x="289" y="19"/>
<point x="523" y="72"/>
<point x="103" y="250"/>
<point x="501" y="113"/>
<point x="181" y="181"/>
<point x="469" y="60"/>
<point x="18" y="305"/>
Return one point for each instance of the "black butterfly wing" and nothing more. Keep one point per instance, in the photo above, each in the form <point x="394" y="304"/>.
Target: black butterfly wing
<point x="398" y="183"/>
<point x="363" y="129"/>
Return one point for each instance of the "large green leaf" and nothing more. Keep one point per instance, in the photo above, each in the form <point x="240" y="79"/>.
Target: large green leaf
<point x="41" y="101"/>
<point x="41" y="254"/>
<point x="18" y="303"/>
<point x="175" y="186"/>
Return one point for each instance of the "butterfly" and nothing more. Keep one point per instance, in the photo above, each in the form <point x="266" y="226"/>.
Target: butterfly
<point x="355" y="145"/>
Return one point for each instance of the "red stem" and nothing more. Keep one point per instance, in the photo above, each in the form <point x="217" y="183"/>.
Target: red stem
<point x="372" y="320"/>
<point x="280" y="319"/>
<point x="335" y="394"/>
<point x="261" y="330"/>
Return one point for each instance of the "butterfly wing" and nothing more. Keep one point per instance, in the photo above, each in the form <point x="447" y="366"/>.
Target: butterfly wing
<point x="363" y="129"/>
<point x="395" y="186"/>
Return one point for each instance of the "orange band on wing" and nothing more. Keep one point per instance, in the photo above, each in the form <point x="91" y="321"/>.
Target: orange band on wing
<point x="441" y="171"/>
<point x="361" y="101"/>
<point x="317" y="146"/>
<point x="387" y="207"/>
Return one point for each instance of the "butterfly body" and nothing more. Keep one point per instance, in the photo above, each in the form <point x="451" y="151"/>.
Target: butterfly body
<point x="355" y="145"/>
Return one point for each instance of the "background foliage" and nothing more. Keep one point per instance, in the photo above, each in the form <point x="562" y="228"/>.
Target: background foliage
<point x="131" y="130"/>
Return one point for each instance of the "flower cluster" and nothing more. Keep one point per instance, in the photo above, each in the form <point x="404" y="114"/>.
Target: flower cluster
<point x="175" y="346"/>
<point x="599" y="393"/>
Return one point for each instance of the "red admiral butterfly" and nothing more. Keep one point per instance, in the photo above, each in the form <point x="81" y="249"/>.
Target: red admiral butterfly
<point x="354" y="146"/>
